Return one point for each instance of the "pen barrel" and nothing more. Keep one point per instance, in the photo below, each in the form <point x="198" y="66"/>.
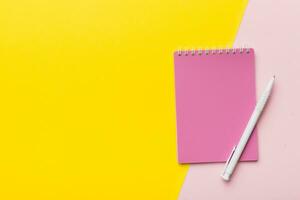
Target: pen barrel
<point x="243" y="141"/>
<point x="249" y="128"/>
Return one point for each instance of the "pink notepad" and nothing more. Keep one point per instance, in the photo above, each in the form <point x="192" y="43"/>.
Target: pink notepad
<point x="215" y="97"/>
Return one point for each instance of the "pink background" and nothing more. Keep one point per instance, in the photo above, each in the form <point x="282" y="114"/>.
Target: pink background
<point x="272" y="28"/>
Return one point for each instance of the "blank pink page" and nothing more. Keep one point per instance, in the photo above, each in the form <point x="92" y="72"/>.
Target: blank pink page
<point x="215" y="97"/>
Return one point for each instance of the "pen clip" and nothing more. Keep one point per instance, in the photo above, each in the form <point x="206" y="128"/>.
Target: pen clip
<point x="228" y="160"/>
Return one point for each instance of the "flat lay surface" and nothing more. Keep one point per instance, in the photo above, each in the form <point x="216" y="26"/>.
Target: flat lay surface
<point x="88" y="98"/>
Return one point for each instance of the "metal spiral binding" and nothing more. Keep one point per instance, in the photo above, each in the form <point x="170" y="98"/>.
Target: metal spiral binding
<point x="215" y="51"/>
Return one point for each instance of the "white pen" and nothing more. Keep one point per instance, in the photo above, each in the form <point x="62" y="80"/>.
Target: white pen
<point x="238" y="149"/>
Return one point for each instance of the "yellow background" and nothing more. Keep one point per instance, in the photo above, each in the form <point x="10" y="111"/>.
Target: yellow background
<point x="87" y="94"/>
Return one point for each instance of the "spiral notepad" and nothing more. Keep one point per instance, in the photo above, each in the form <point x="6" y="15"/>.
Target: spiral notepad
<point x="215" y="96"/>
